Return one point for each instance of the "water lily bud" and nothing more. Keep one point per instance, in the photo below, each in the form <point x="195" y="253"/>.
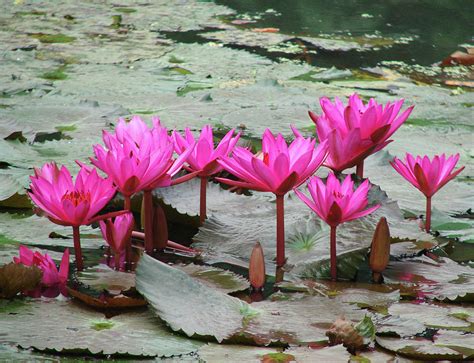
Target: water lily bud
<point x="257" y="267"/>
<point x="380" y="250"/>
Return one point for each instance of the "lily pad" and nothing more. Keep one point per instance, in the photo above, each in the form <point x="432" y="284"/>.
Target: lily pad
<point x="446" y="345"/>
<point x="207" y="312"/>
<point x="34" y="230"/>
<point x="217" y="278"/>
<point x="442" y="280"/>
<point x="230" y="235"/>
<point x="187" y="304"/>
<point x="74" y="329"/>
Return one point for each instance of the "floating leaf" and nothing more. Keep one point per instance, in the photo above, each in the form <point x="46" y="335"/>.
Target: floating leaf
<point x="74" y="329"/>
<point x="187" y="304"/>
<point x="230" y="235"/>
<point x="208" y="312"/>
<point x="442" y="279"/>
<point x="217" y="278"/>
<point x="446" y="345"/>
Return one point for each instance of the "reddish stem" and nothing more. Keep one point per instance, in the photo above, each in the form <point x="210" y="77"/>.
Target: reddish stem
<point x="117" y="260"/>
<point x="127" y="205"/>
<point x="160" y="228"/>
<point x="333" y="254"/>
<point x="428" y="214"/>
<point x="77" y="248"/>
<point x="280" y="259"/>
<point x="360" y="169"/>
<point x="148" y="202"/>
<point x="202" y="200"/>
<point x="171" y="244"/>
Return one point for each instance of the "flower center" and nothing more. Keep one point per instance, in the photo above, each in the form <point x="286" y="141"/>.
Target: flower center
<point x="338" y="195"/>
<point x="266" y="159"/>
<point x="77" y="197"/>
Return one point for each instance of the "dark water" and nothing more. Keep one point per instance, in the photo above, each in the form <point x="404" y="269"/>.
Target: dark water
<point x="437" y="26"/>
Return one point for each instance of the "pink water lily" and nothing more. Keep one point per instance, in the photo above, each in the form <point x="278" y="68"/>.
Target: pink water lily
<point x="117" y="234"/>
<point x="428" y="176"/>
<point x="357" y="130"/>
<point x="203" y="158"/>
<point x="67" y="202"/>
<point x="336" y="203"/>
<point x="278" y="169"/>
<point x="138" y="158"/>
<point x="51" y="274"/>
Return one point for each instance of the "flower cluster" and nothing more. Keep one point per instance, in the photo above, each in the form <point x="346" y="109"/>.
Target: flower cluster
<point x="137" y="158"/>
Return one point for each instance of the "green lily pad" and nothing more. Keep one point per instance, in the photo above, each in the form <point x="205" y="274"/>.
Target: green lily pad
<point x="208" y="312"/>
<point x="186" y="304"/>
<point x="76" y="329"/>
<point x="446" y="345"/>
<point x="443" y="279"/>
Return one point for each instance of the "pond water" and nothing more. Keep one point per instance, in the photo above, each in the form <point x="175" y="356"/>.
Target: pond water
<point x="433" y="29"/>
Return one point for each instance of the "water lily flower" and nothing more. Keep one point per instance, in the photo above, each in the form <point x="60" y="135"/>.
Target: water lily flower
<point x="336" y="203"/>
<point x="428" y="176"/>
<point x="277" y="169"/>
<point x="67" y="202"/>
<point x="117" y="234"/>
<point x="138" y="158"/>
<point x="357" y="130"/>
<point x="51" y="274"/>
<point x="203" y="158"/>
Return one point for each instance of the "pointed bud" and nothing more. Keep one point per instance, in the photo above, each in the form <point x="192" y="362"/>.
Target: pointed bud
<point x="257" y="267"/>
<point x="380" y="249"/>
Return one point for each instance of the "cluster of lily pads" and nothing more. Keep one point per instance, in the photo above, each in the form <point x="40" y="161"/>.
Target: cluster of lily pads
<point x="138" y="159"/>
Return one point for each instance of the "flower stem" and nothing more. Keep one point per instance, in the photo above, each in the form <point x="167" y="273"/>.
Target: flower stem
<point x="77" y="248"/>
<point x="280" y="259"/>
<point x="127" y="205"/>
<point x="148" y="202"/>
<point x="428" y="214"/>
<point x="333" y="254"/>
<point x="117" y="260"/>
<point x="360" y="169"/>
<point x="202" y="200"/>
<point x="160" y="228"/>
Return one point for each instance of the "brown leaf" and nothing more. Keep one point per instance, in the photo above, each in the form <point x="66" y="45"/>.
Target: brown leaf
<point x="16" y="277"/>
<point x="342" y="331"/>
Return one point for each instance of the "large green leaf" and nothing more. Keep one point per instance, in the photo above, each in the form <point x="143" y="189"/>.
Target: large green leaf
<point x="65" y="327"/>
<point x="188" y="305"/>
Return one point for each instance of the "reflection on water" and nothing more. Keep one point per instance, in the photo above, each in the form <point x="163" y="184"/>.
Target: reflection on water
<point x="436" y="26"/>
